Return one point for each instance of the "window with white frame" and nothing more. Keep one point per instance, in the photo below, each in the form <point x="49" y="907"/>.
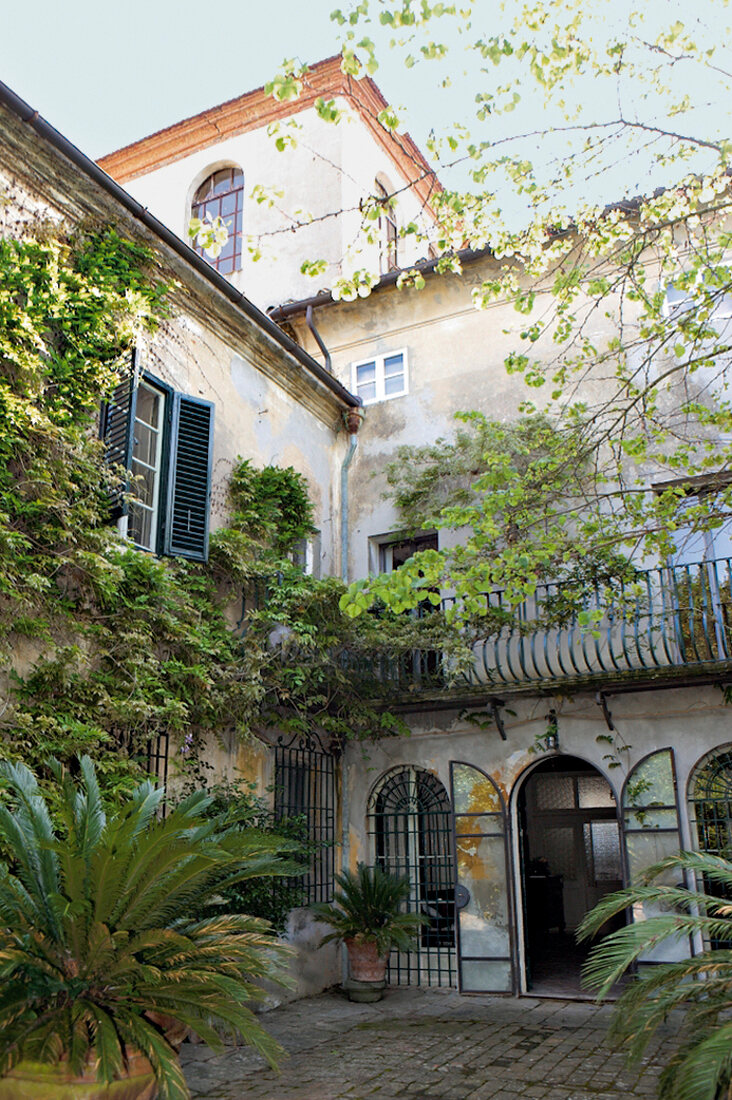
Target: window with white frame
<point x="306" y="554"/>
<point x="393" y="553"/>
<point x="703" y="526"/>
<point x="381" y="377"/>
<point x="680" y="300"/>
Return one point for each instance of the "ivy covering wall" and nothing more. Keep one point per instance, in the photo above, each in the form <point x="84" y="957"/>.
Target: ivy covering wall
<point x="105" y="646"/>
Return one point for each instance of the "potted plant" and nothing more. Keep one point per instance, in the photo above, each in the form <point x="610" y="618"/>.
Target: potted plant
<point x="101" y="950"/>
<point x="701" y="1066"/>
<point x="366" y="915"/>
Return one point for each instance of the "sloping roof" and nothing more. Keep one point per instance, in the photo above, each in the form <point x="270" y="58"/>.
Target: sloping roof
<point x="73" y="183"/>
<point x="256" y="109"/>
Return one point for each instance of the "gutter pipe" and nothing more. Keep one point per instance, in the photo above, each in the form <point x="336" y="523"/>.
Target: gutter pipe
<point x="325" y="298"/>
<point x="352" y="444"/>
<point x="26" y="114"/>
<point x="318" y="339"/>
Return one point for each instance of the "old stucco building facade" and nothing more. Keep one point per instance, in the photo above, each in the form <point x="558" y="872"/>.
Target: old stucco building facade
<point x="512" y="828"/>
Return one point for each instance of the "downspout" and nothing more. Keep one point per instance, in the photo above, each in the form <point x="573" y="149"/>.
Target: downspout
<point x="352" y="444"/>
<point x="318" y="338"/>
<point x="352" y="420"/>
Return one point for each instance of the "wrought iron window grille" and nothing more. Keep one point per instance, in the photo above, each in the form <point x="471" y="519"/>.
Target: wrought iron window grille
<point x="305" y="787"/>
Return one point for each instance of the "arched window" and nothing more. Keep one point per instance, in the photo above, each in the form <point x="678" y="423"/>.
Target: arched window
<point x="711" y="793"/>
<point x="222" y="196"/>
<point x="388" y="233"/>
<point x="410" y="829"/>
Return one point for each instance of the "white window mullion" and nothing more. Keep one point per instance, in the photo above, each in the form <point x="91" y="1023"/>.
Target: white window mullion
<point x="142" y="534"/>
<point x="370" y="378"/>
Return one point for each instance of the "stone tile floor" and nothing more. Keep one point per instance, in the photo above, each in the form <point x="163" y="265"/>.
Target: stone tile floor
<point x="430" y="1044"/>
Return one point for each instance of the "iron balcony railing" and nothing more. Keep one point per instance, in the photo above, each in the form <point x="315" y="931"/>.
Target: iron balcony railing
<point x="670" y="617"/>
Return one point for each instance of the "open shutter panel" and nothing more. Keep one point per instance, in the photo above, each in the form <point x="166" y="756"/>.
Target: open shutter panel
<point x="651" y="832"/>
<point x="115" y="430"/>
<point x="189" y="485"/>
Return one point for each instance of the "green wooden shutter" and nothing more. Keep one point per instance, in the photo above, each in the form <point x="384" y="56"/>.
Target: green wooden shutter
<point x="115" y="431"/>
<point x="189" y="479"/>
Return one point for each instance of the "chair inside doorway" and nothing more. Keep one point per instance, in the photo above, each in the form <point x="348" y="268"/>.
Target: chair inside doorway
<point x="570" y="850"/>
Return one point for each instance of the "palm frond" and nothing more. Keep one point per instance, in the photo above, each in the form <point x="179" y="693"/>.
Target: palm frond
<point x="101" y="927"/>
<point x="700" y="1068"/>
<point x="702" y="985"/>
<point x="368" y="903"/>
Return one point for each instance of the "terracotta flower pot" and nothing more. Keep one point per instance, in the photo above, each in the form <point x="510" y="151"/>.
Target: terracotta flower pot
<point x="364" y="961"/>
<point x="35" y="1081"/>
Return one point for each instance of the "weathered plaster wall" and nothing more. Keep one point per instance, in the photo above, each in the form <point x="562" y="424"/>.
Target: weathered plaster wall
<point x="455" y="356"/>
<point x="311" y="968"/>
<point x="267" y="407"/>
<point x="456" y="362"/>
<point x="691" y="722"/>
<point x="320" y="179"/>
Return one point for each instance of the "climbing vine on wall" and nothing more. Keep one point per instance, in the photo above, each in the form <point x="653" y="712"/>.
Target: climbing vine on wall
<point x="106" y="646"/>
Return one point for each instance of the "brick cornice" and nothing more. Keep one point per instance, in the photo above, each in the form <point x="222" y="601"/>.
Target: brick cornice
<point x="255" y="109"/>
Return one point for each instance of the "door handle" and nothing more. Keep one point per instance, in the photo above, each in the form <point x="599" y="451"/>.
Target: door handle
<point x="462" y="896"/>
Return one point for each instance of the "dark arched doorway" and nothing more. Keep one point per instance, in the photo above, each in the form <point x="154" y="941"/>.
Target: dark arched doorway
<point x="570" y="857"/>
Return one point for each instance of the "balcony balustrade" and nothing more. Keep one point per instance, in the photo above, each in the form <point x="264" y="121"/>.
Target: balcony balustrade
<point x="675" y="617"/>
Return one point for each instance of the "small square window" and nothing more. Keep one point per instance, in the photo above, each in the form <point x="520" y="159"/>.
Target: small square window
<point x="381" y="377"/>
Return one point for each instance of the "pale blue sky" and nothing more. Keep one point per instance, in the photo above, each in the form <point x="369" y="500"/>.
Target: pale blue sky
<point x="107" y="73"/>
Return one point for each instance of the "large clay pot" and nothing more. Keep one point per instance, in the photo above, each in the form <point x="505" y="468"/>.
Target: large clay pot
<point x="365" y="962"/>
<point x="367" y="970"/>
<point x="34" y="1081"/>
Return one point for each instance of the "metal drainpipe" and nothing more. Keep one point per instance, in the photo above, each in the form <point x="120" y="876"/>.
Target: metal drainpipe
<point x="318" y="338"/>
<point x="352" y="423"/>
<point x="352" y="443"/>
<point x="345" y="800"/>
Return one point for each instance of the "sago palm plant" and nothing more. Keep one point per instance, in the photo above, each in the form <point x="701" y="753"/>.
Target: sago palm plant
<point x="367" y="907"/>
<point x="96" y="931"/>
<point x="701" y="1066"/>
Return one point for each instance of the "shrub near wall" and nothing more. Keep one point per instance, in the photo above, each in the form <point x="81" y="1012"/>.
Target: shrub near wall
<point x="108" y="646"/>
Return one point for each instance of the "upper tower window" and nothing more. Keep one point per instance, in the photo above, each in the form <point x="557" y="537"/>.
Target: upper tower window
<point x="387" y="230"/>
<point x="222" y="196"/>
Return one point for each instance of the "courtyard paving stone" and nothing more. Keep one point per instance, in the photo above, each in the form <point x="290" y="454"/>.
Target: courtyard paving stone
<point x="431" y="1044"/>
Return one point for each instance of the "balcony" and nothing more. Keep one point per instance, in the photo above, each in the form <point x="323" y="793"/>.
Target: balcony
<point x="666" y="622"/>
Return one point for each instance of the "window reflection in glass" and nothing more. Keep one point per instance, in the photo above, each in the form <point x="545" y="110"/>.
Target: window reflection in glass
<point x="146" y="447"/>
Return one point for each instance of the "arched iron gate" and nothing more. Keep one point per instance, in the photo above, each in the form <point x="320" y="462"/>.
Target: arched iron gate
<point x="411" y="834"/>
<point x="712" y="800"/>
